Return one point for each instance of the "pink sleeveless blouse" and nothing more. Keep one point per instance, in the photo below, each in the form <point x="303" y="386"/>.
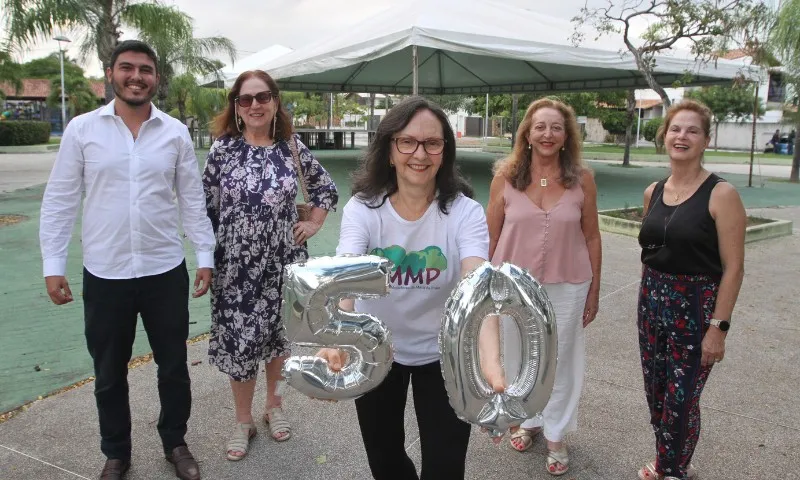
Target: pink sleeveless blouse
<point x="549" y="244"/>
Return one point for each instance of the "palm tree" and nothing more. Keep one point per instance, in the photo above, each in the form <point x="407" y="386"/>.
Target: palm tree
<point x="10" y="72"/>
<point x="80" y="96"/>
<point x="99" y="21"/>
<point x="178" y="50"/>
<point x="786" y="42"/>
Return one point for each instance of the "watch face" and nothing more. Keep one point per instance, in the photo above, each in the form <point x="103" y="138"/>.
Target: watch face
<point x="724" y="326"/>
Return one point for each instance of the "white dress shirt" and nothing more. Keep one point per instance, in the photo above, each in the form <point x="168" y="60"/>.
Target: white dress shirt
<point x="130" y="212"/>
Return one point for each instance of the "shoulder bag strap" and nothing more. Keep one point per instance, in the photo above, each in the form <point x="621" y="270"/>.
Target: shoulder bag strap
<point x="301" y="179"/>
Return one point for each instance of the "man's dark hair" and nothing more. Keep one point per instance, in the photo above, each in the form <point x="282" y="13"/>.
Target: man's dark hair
<point x="133" y="46"/>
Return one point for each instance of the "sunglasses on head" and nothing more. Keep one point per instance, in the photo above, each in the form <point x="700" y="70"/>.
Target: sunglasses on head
<point x="261" y="97"/>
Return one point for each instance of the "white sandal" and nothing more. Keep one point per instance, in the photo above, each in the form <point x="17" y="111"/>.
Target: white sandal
<point x="277" y="423"/>
<point x="240" y="441"/>
<point x="648" y="472"/>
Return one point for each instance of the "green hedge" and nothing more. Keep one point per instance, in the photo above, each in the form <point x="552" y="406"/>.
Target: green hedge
<point x="23" y="132"/>
<point x="651" y="128"/>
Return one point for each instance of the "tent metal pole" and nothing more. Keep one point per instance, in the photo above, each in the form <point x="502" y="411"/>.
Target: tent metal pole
<point x="638" y="123"/>
<point x="414" y="58"/>
<point x="486" y="118"/>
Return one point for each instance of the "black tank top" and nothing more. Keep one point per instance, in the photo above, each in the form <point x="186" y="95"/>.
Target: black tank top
<point x="681" y="239"/>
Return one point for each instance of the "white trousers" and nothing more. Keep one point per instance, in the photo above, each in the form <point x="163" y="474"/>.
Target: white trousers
<point x="560" y="416"/>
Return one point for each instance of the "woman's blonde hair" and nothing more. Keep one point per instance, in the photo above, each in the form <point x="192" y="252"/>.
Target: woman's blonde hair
<point x="686" y="104"/>
<point x="516" y="167"/>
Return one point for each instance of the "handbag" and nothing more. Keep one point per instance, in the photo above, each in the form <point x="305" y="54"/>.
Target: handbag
<point x="303" y="209"/>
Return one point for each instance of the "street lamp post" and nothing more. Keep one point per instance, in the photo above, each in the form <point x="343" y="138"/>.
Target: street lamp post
<point x="60" y="39"/>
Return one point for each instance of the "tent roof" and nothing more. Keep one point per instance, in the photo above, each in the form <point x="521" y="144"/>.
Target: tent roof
<point x="472" y="47"/>
<point x="251" y="62"/>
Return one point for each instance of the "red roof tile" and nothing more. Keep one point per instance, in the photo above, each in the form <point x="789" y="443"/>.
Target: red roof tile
<point x="39" y="88"/>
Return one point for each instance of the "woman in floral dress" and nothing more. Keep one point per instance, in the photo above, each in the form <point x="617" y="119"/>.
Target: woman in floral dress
<point x="251" y="183"/>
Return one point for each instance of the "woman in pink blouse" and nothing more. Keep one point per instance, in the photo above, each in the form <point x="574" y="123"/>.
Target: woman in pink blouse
<point x="542" y="216"/>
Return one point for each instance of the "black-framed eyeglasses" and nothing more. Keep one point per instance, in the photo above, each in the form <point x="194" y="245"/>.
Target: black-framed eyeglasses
<point x="408" y="145"/>
<point x="246" y="100"/>
<point x="666" y="224"/>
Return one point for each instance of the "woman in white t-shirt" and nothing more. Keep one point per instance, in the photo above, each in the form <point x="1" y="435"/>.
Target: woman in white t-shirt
<point x="411" y="205"/>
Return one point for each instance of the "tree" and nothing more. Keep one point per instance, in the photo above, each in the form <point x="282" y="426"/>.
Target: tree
<point x="183" y="88"/>
<point x="650" y="129"/>
<point x="452" y="103"/>
<point x="786" y="42"/>
<point x="727" y="103"/>
<point x="342" y="105"/>
<point x="99" y="21"/>
<point x="178" y="50"/>
<point x="80" y="98"/>
<point x="10" y="72"/>
<point x="708" y="26"/>
<point x="79" y="94"/>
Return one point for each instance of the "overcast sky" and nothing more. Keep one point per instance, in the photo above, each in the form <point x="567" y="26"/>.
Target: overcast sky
<point x="257" y="24"/>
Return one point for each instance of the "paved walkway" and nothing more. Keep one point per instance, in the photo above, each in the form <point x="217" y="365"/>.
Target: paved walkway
<point x="751" y="423"/>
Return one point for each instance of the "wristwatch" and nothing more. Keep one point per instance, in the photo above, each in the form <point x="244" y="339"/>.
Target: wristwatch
<point x="723" y="325"/>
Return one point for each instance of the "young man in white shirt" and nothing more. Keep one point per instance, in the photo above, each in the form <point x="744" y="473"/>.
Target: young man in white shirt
<point x="138" y="171"/>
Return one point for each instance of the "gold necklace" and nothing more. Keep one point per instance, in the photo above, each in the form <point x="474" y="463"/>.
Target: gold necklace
<point x="678" y="195"/>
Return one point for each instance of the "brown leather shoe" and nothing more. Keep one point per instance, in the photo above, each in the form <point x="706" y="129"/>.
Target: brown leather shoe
<point x="115" y="469"/>
<point x="186" y="467"/>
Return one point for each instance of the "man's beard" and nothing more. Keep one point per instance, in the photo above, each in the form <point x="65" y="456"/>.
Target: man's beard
<point x="133" y="102"/>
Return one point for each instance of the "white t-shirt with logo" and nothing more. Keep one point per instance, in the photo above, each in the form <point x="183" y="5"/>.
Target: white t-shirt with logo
<point x="427" y="256"/>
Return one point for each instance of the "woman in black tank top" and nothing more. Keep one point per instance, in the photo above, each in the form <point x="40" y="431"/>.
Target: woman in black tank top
<point x="692" y="240"/>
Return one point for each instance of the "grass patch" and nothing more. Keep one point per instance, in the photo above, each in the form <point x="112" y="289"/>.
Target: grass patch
<point x="54" y="141"/>
<point x="624" y="166"/>
<point x="636" y="214"/>
<point x="652" y="151"/>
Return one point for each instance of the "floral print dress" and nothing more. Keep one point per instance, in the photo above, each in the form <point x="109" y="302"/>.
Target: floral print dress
<point x="250" y="197"/>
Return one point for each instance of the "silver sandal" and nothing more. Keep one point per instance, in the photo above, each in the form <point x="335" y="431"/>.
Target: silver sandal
<point x="240" y="441"/>
<point x="277" y="423"/>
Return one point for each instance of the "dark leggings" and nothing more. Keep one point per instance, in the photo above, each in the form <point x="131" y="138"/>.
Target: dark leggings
<point x="443" y="437"/>
<point x="674" y="315"/>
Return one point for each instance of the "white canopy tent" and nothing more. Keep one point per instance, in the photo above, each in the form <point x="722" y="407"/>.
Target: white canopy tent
<point x="471" y="47"/>
<point x="229" y="73"/>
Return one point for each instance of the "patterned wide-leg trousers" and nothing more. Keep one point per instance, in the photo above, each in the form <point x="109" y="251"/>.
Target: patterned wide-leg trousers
<point x="673" y="316"/>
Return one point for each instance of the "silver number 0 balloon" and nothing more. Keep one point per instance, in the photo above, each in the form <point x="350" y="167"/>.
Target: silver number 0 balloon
<point x="511" y="291"/>
<point x="311" y="317"/>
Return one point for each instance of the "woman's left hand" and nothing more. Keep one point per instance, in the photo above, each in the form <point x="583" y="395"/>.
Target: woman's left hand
<point x="305" y="230"/>
<point x="713" y="347"/>
<point x="592" y="305"/>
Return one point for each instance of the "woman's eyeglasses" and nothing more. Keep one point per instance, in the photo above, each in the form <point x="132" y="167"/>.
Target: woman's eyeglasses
<point x="666" y="224"/>
<point x="432" y="146"/>
<point x="246" y="100"/>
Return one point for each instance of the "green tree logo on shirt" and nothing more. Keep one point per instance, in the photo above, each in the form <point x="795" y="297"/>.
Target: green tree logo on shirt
<point x="422" y="267"/>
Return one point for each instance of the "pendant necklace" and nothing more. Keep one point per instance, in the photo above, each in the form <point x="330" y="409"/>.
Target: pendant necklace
<point x="543" y="182"/>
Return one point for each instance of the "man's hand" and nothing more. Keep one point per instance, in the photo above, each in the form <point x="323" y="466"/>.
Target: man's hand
<point x="202" y="280"/>
<point x="58" y="289"/>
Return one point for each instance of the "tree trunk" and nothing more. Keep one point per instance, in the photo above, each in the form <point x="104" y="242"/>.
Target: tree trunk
<point x="795" y="175"/>
<point x="107" y="38"/>
<point x="630" y="106"/>
<point x="182" y="111"/>
<point x="514" y="100"/>
<point x="371" y="125"/>
<point x="716" y="134"/>
<point x="644" y="68"/>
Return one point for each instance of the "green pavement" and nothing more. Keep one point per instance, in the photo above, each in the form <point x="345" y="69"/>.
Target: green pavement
<point x="42" y="346"/>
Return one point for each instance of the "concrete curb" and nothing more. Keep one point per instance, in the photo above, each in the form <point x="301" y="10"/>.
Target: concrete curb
<point x="12" y="150"/>
<point x="776" y="228"/>
<point x="656" y="158"/>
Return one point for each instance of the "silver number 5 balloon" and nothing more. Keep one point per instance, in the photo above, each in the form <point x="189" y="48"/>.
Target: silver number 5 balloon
<point x="311" y="317"/>
<point x="511" y="291"/>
